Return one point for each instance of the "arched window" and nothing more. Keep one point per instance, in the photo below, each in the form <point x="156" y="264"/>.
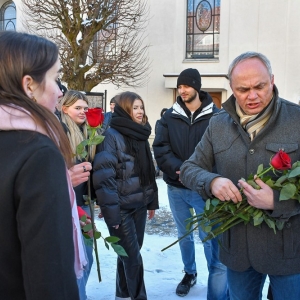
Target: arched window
<point x="203" y="29"/>
<point x="8" y="16"/>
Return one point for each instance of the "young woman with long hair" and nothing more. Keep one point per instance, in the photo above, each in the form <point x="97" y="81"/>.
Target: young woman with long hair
<point x="124" y="180"/>
<point x="41" y="254"/>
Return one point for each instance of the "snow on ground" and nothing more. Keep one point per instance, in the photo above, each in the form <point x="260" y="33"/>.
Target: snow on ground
<point x="163" y="270"/>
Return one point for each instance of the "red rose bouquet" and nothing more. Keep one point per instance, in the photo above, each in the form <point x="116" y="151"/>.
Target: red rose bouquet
<point x="219" y="216"/>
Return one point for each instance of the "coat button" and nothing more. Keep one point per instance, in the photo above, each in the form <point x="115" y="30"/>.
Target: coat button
<point x="251" y="151"/>
<point x="288" y="225"/>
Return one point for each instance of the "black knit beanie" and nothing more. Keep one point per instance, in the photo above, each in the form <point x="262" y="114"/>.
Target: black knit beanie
<point x="190" y="77"/>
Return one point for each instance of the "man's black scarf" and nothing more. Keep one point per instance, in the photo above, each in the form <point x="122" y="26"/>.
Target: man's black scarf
<point x="136" y="139"/>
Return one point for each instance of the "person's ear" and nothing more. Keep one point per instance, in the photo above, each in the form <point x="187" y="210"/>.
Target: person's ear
<point x="28" y="86"/>
<point x="64" y="109"/>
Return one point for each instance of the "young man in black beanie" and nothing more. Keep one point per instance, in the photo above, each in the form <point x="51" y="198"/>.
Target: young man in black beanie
<point x="179" y="131"/>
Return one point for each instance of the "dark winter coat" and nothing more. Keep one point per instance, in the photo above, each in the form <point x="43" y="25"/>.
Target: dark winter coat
<point x="116" y="183"/>
<point x="178" y="134"/>
<point x="37" y="250"/>
<point x="228" y="145"/>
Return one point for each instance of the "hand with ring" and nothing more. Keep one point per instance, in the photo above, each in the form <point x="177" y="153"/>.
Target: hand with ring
<point x="80" y="173"/>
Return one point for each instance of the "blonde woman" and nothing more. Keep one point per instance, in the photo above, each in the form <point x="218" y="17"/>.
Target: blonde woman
<point x="74" y="106"/>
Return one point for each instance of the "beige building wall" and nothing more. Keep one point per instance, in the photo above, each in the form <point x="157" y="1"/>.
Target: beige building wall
<point x="269" y="26"/>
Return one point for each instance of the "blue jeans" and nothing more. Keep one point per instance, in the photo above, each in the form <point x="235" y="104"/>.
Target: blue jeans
<point x="89" y="254"/>
<point x="248" y="285"/>
<point x="88" y="249"/>
<point x="181" y="202"/>
<point x="81" y="282"/>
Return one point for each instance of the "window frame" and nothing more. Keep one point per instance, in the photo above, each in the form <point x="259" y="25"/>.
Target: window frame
<point x="3" y="21"/>
<point x="211" y="31"/>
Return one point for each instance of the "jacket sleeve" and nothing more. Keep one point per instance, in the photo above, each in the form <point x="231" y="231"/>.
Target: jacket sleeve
<point x="104" y="180"/>
<point x="43" y="215"/>
<point x="154" y="204"/>
<point x="165" y="158"/>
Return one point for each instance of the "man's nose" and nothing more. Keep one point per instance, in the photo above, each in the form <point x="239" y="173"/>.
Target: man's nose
<point x="252" y="95"/>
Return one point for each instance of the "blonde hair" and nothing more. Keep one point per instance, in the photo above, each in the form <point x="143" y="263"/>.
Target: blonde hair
<point x="76" y="134"/>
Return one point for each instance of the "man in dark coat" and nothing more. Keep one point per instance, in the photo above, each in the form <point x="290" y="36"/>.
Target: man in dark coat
<point x="178" y="132"/>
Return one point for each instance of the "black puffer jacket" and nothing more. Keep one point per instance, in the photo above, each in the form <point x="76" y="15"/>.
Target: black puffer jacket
<point x="116" y="184"/>
<point x="178" y="133"/>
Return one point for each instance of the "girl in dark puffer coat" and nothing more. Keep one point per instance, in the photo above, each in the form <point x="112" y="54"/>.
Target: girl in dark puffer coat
<point x="124" y="180"/>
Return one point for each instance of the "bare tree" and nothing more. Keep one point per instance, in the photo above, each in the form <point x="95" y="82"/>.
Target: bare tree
<point x="101" y="41"/>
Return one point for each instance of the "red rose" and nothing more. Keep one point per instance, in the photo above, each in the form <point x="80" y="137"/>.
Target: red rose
<point x="94" y="117"/>
<point x="281" y="161"/>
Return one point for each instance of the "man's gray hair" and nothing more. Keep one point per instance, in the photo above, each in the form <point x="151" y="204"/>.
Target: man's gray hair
<point x="247" y="55"/>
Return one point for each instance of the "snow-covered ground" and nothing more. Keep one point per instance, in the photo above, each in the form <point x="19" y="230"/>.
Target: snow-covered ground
<point x="162" y="269"/>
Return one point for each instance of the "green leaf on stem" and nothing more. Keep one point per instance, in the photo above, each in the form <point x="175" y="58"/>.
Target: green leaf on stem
<point x="287" y="191"/>
<point x="232" y="207"/>
<point x="98" y="139"/>
<point x="260" y="168"/>
<point x="207" y="228"/>
<point x="257" y="213"/>
<point x="270" y="183"/>
<point x="295" y="172"/>
<point x="83" y="218"/>
<point x="257" y="220"/>
<point x="112" y="239"/>
<point x="207" y="204"/>
<point x="280" y="224"/>
<point x="270" y="223"/>
<point x="119" y="250"/>
<point x="97" y="235"/>
<point x="281" y="180"/>
<point x="87" y="227"/>
<point x="80" y="149"/>
<point x="295" y="165"/>
<point x="253" y="184"/>
<point x="245" y="217"/>
<point x="215" y="202"/>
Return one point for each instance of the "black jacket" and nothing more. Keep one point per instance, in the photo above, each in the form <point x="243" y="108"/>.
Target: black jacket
<point x="116" y="184"/>
<point x="37" y="250"/>
<point x="178" y="133"/>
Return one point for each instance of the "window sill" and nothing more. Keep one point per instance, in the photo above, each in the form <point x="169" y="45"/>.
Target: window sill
<point x="212" y="60"/>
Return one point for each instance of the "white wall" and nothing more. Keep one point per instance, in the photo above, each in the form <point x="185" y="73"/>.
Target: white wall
<point x="268" y="26"/>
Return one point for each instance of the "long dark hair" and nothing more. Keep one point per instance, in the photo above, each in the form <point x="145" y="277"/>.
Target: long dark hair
<point x="25" y="54"/>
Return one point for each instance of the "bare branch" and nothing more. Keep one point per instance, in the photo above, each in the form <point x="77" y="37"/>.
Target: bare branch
<point x="101" y="41"/>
